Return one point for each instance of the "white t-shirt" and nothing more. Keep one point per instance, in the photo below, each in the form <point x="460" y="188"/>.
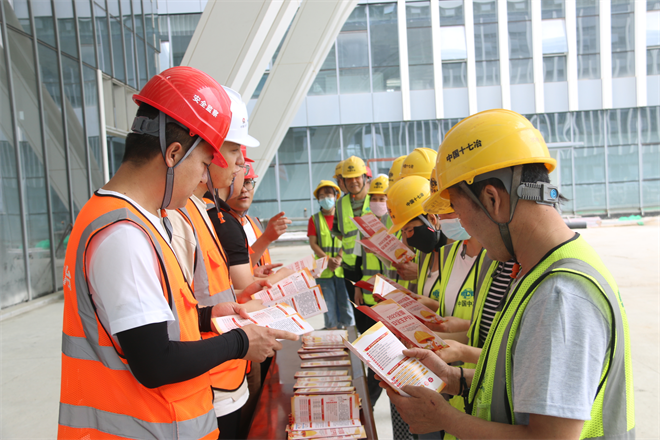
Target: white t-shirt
<point x="428" y="284"/>
<point x="124" y="276"/>
<point x="458" y="274"/>
<point x="249" y="232"/>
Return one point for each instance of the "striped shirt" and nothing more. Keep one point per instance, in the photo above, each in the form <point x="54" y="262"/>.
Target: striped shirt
<point x="498" y="289"/>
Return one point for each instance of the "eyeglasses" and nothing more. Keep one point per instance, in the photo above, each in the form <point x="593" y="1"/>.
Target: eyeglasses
<point x="249" y="184"/>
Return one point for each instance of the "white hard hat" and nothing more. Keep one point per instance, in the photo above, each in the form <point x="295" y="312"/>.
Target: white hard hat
<point x="238" y="130"/>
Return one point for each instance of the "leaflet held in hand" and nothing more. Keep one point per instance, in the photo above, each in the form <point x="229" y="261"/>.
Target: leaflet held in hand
<point x="379" y="242"/>
<point x="385" y="289"/>
<point x="404" y="325"/>
<point x="281" y="316"/>
<point x="382" y="351"/>
<point x="300" y="291"/>
<point x="316" y="267"/>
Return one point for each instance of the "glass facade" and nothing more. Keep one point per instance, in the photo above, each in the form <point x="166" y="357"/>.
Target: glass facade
<point x="607" y="160"/>
<point x="623" y="38"/>
<point x="51" y="154"/>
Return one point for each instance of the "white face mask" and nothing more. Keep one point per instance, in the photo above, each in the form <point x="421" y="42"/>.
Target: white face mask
<point x="378" y="208"/>
<point x="453" y="229"/>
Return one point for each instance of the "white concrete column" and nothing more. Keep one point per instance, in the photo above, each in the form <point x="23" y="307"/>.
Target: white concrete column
<point x="259" y="26"/>
<point x="640" y="51"/>
<point x="437" y="59"/>
<point x="503" y="42"/>
<point x="537" y="57"/>
<point x="572" y="56"/>
<point x="102" y="127"/>
<point x="471" y="57"/>
<point x="606" y="52"/>
<point x="402" y="28"/>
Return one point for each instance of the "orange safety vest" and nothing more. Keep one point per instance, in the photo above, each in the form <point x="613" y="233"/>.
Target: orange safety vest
<point x="212" y="285"/>
<point x="256" y="225"/>
<point x="100" y="398"/>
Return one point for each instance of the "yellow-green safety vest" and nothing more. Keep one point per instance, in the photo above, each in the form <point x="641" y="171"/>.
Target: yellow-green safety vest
<point x="491" y="395"/>
<point x="329" y="244"/>
<point x="465" y="296"/>
<point x="347" y="228"/>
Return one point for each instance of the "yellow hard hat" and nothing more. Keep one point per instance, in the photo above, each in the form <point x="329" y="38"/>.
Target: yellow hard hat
<point x="338" y="170"/>
<point x="405" y="200"/>
<point x="329" y="183"/>
<point x="395" y="169"/>
<point x="378" y="185"/>
<point x="419" y="163"/>
<point x="436" y="204"/>
<point x="489" y="141"/>
<point x="353" y="167"/>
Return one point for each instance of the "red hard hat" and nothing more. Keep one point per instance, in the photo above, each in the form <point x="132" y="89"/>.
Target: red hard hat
<point x="251" y="174"/>
<point x="194" y="99"/>
<point x="369" y="172"/>
<point x="244" y="151"/>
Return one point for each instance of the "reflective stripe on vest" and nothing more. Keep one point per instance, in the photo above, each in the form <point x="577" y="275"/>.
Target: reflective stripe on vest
<point x="212" y="275"/>
<point x="465" y="295"/>
<point x="371" y="266"/>
<point x="347" y="228"/>
<point x="98" y="389"/>
<point x="258" y="232"/>
<point x="612" y="413"/>
<point x="328" y="244"/>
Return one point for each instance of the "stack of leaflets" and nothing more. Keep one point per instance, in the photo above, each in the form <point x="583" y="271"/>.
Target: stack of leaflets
<point x="386" y="246"/>
<point x="316" y="267"/>
<point x="298" y="290"/>
<point x="325" y="404"/>
<point x="281" y="316"/>
<point x="382" y="351"/>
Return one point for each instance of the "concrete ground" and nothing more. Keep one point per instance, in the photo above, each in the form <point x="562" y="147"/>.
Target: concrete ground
<point x="30" y="341"/>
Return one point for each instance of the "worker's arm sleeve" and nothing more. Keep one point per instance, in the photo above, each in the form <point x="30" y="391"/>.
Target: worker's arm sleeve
<point x="155" y="360"/>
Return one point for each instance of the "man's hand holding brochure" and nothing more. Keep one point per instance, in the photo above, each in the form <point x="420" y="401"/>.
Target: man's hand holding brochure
<point x="386" y="246"/>
<point x="299" y="290"/>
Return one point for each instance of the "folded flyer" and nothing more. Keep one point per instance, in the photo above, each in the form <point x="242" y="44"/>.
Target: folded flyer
<point x="315" y="364"/>
<point x="323" y="354"/>
<point x="349" y="432"/>
<point x="307" y="303"/>
<point x="281" y="316"/>
<point x="324" y="425"/>
<point x="325" y="338"/>
<point x="322" y="373"/>
<point x="385" y="289"/>
<point x="315" y="266"/>
<point x="382" y="351"/>
<point x="326" y="390"/>
<point x="404" y="324"/>
<point x="379" y="242"/>
<point x="334" y="408"/>
<point x="309" y="384"/>
<point x="295" y="283"/>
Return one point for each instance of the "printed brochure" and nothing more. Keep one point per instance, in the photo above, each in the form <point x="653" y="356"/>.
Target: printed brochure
<point x="382" y="351"/>
<point x="338" y="407"/>
<point x="300" y="291"/>
<point x="281" y="316"/>
<point x="316" y="267"/>
<point x="404" y="324"/>
<point x="385" y="289"/>
<point x="379" y="242"/>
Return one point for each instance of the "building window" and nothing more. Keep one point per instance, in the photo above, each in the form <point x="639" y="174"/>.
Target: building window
<point x="353" y="53"/>
<point x="485" y="43"/>
<point x="520" y="41"/>
<point x="588" y="39"/>
<point x="453" y="45"/>
<point x="623" y="38"/>
<point x="384" y="36"/>
<point x="653" y="39"/>
<point x="420" y="46"/>
<point x="555" y="47"/>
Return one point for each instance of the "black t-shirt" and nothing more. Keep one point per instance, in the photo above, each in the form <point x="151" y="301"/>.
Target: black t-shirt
<point x="231" y="234"/>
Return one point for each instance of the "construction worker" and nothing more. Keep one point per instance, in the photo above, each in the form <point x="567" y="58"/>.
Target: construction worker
<point x="395" y="170"/>
<point x="353" y="204"/>
<point x="556" y="362"/>
<point x="371" y="264"/>
<point x="338" y="178"/>
<point x="203" y="259"/>
<point x="419" y="162"/>
<point x="340" y="311"/>
<point x="133" y="362"/>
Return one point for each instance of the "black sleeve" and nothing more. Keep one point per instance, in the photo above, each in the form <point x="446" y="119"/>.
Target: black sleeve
<point x="204" y="314"/>
<point x="232" y="237"/>
<point x="156" y="361"/>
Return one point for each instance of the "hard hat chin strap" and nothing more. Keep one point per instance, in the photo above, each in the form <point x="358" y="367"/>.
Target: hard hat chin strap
<point x="505" y="233"/>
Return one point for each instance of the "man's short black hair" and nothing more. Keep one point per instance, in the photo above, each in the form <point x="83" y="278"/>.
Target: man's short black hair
<point x="531" y="172"/>
<point x="141" y="148"/>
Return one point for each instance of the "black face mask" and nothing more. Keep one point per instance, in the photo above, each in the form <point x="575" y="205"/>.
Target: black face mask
<point x="424" y="238"/>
